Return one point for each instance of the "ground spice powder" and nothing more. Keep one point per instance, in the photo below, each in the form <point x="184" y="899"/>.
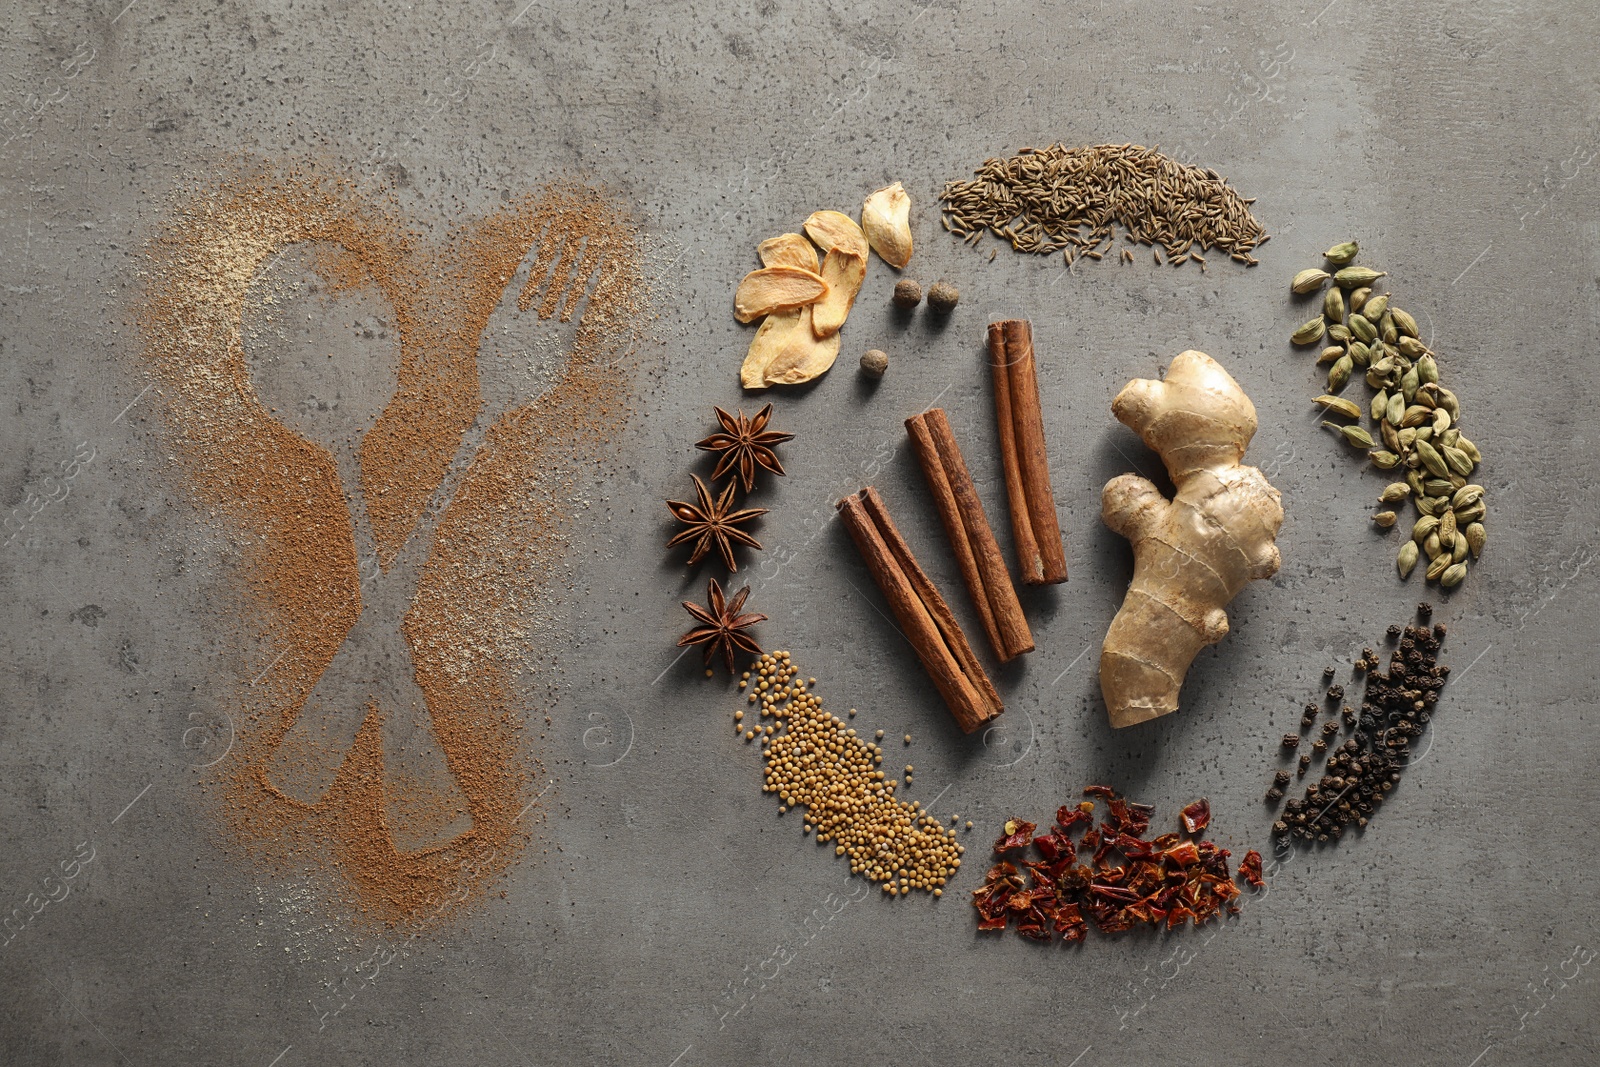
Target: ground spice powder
<point x="278" y="499"/>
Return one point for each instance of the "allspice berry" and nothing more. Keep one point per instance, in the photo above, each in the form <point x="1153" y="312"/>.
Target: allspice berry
<point x="943" y="297"/>
<point x="875" y="361"/>
<point x="907" y="294"/>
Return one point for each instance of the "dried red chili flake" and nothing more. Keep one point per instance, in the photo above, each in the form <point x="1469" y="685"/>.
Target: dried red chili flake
<point x="1015" y="835"/>
<point x="1184" y="854"/>
<point x="1056" y="846"/>
<point x="1250" y="869"/>
<point x="991" y="899"/>
<point x="1197" y="816"/>
<point x="1069" y="816"/>
<point x="1129" y="881"/>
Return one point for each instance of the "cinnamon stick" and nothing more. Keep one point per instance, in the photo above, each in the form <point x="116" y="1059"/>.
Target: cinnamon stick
<point x="923" y="615"/>
<point x="977" y="553"/>
<point x="1020" y="418"/>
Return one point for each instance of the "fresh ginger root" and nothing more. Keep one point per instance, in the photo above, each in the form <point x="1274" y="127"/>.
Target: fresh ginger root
<point x="1191" y="554"/>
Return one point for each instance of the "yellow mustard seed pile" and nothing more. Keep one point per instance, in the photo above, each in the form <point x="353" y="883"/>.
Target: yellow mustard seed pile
<point x="815" y="761"/>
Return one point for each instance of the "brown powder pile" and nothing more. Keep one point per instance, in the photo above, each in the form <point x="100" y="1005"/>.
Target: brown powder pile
<point x="494" y="545"/>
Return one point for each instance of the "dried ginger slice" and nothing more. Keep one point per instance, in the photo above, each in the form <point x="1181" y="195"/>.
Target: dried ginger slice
<point x="833" y="229"/>
<point x="844" y="274"/>
<point x="775" y="336"/>
<point x="789" y="250"/>
<point x="886" y="220"/>
<point x="805" y="357"/>
<point x="785" y="351"/>
<point x="772" y="289"/>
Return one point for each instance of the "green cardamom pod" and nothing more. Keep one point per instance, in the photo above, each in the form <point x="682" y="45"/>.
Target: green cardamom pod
<point x="1432" y="460"/>
<point x="1358" y="299"/>
<point x="1330" y="354"/>
<point x="1407" y="324"/>
<point x="1441" y="422"/>
<point x="1470" y="513"/>
<point x="1391" y="438"/>
<point x="1387" y="331"/>
<point x="1456" y="481"/>
<point x="1383" y="460"/>
<point x="1308" y="281"/>
<point x="1311" y="332"/>
<point x="1408" y="436"/>
<point x="1410" y="347"/>
<point x="1453" y="575"/>
<point x="1467" y="446"/>
<point x="1362" y="328"/>
<point x="1333" y="305"/>
<point x="1433" y="550"/>
<point x="1415" y="415"/>
<point x="1447" y="528"/>
<point x="1457" y="460"/>
<point x="1432" y="505"/>
<point x="1425" y="433"/>
<point x="1418" y="486"/>
<point x="1339" y="332"/>
<point x="1375" y="307"/>
<point x="1358" y="351"/>
<point x="1341" y="254"/>
<point x="1428" y="369"/>
<point x="1339" y="373"/>
<point x="1355" y="435"/>
<point x="1438" y="487"/>
<point x="1394" y="410"/>
<point x="1355" y="277"/>
<point x="1394" y="492"/>
<point x="1408" y="558"/>
<point x="1476" y="536"/>
<point x="1423" y="528"/>
<point x="1338" y="405"/>
<point x="1448" y="401"/>
<point x="1385" y="519"/>
<point x="1408" y="384"/>
<point x="1380" y="404"/>
<point x="1458" y="551"/>
<point x="1450" y="436"/>
<point x="1467" y="494"/>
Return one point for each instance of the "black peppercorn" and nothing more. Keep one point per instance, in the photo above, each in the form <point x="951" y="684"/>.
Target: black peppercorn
<point x="1280" y="828"/>
<point x="1394" y="632"/>
<point x="1291" y="741"/>
<point x="1424" y="609"/>
<point x="1319" y="745"/>
<point x="1330" y="728"/>
<point x="1335" y="692"/>
<point x="1328" y="672"/>
<point x="1305" y="761"/>
<point x="1274" y="795"/>
<point x="1281" y="778"/>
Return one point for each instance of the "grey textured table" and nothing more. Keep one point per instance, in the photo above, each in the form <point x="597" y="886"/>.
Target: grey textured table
<point x="682" y="921"/>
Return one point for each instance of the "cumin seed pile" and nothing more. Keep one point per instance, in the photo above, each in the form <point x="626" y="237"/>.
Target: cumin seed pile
<point x="1068" y="200"/>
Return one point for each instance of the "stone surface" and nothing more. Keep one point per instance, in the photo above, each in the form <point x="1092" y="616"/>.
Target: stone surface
<point x="666" y="914"/>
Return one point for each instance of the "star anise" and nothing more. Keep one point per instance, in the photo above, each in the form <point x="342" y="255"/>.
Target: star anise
<point x="713" y="524"/>
<point x="724" y="627"/>
<point x="744" y="445"/>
